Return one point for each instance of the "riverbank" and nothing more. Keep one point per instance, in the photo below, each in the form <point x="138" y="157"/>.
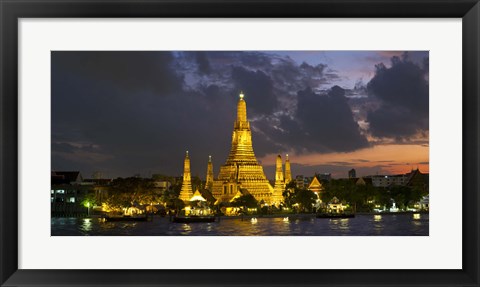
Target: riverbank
<point x="311" y="215"/>
<point x="392" y="213"/>
<point x="280" y="215"/>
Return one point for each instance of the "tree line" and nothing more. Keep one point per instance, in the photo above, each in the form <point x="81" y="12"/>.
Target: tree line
<point x="126" y="192"/>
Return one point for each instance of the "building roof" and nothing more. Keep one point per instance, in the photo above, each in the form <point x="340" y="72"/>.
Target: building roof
<point x="197" y="196"/>
<point x="417" y="178"/>
<point x="207" y="194"/>
<point x="65" y="177"/>
<point x="315" y="185"/>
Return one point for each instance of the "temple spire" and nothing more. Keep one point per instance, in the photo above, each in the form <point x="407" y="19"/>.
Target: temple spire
<point x="186" y="192"/>
<point x="277" y="196"/>
<point x="288" y="172"/>
<point x="209" y="179"/>
<point x="279" y="169"/>
<point x="241" y="109"/>
<point x="242" y="149"/>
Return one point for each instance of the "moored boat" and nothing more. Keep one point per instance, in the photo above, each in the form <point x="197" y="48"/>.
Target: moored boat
<point x="198" y="212"/>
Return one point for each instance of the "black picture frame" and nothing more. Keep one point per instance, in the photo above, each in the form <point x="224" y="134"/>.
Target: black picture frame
<point x="11" y="11"/>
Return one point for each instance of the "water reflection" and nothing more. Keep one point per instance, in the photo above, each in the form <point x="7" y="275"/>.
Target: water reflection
<point x="340" y="224"/>
<point x="186" y="229"/>
<point x="401" y="224"/>
<point x="86" y="225"/>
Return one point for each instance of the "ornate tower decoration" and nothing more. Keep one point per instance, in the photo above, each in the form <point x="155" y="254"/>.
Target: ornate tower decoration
<point x="288" y="172"/>
<point x="241" y="171"/>
<point x="277" y="196"/>
<point x="209" y="180"/>
<point x="186" y="192"/>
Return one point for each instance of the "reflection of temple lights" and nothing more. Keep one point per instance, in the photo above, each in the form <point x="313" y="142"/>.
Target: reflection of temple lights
<point x="377" y="217"/>
<point x="87" y="224"/>
<point x="253" y="220"/>
<point x="416" y="216"/>
<point x="187" y="227"/>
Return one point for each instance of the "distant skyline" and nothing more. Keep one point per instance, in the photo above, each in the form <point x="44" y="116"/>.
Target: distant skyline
<point x="126" y="113"/>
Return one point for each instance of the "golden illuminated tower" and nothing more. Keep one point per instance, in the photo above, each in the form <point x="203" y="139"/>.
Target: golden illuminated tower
<point x="186" y="192"/>
<point x="277" y="196"/>
<point x="209" y="180"/>
<point x="241" y="171"/>
<point x="288" y="172"/>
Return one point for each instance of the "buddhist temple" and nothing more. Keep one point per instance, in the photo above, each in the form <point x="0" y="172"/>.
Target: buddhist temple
<point x="288" y="172"/>
<point x="209" y="179"/>
<point x="241" y="169"/>
<point x="277" y="196"/>
<point x="186" y="192"/>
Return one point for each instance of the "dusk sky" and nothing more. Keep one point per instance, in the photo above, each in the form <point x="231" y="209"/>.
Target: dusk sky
<point x="126" y="113"/>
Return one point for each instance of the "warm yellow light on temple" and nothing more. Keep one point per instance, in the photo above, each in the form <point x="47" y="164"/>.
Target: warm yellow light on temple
<point x="241" y="172"/>
<point x="186" y="192"/>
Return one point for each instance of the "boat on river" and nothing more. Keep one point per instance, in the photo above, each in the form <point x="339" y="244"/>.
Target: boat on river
<point x="199" y="212"/>
<point x="133" y="213"/>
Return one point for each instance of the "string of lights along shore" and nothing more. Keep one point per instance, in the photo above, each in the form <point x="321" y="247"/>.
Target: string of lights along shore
<point x="241" y="174"/>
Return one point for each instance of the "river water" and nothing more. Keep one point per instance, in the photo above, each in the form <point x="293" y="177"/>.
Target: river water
<point x="361" y="225"/>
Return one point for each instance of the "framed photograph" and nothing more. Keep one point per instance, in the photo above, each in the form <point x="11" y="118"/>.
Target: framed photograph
<point x="226" y="143"/>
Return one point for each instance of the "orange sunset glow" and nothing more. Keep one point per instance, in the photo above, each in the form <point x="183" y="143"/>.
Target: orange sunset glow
<point x="392" y="159"/>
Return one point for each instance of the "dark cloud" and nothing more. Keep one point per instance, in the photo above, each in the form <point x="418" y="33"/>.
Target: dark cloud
<point x="125" y="113"/>
<point x="62" y="147"/>
<point x="148" y="71"/>
<point x="403" y="92"/>
<point x="259" y="88"/>
<point x="327" y="120"/>
<point x="321" y="123"/>
<point x="254" y="59"/>
<point x="203" y="63"/>
<point x="129" y="121"/>
<point x="361" y="160"/>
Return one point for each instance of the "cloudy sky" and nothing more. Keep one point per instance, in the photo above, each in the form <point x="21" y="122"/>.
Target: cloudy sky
<point x="126" y="113"/>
